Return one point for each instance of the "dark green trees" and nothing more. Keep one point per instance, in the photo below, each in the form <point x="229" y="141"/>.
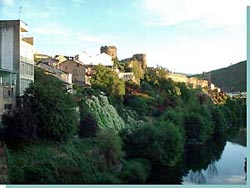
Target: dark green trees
<point x="162" y="143"/>
<point x="48" y="111"/>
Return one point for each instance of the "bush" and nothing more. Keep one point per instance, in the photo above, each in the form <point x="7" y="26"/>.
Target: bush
<point x="110" y="146"/>
<point x="195" y="129"/>
<point x="139" y="104"/>
<point x="53" y="106"/>
<point x="219" y="121"/>
<point x="80" y="161"/>
<point x="88" y="127"/>
<point x="135" y="171"/>
<point x="19" y="125"/>
<point x="162" y="144"/>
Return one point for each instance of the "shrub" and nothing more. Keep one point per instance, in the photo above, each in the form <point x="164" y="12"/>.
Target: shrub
<point x="219" y="121"/>
<point x="162" y="144"/>
<point x="135" y="171"/>
<point x="53" y="106"/>
<point x="88" y="127"/>
<point x="195" y="128"/>
<point x="110" y="146"/>
<point x="19" y="125"/>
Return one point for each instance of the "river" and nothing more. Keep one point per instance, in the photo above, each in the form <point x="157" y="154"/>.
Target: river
<point x="229" y="169"/>
<point x="219" y="161"/>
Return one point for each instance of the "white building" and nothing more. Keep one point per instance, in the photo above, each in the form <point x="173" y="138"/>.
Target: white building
<point x="97" y="59"/>
<point x="16" y="60"/>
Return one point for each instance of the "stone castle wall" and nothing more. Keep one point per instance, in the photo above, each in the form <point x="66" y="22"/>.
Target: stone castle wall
<point x="110" y="50"/>
<point x="195" y="82"/>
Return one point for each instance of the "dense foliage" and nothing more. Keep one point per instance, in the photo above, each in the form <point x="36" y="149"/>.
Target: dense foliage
<point x="104" y="113"/>
<point x="152" y="128"/>
<point x="47" y="112"/>
<point x="78" y="161"/>
<point x="107" y="80"/>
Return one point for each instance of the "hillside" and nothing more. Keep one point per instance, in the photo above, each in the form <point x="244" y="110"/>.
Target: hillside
<point x="229" y="79"/>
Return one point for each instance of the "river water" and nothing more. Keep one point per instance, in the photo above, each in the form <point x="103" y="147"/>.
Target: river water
<point x="229" y="169"/>
<point x="219" y="161"/>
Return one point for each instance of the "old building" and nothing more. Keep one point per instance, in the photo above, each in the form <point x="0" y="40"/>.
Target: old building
<point x="73" y="67"/>
<point x="141" y="58"/>
<point x="110" y="50"/>
<point x="61" y="75"/>
<point x="16" y="61"/>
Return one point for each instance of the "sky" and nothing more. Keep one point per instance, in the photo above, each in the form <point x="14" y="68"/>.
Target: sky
<point x="187" y="36"/>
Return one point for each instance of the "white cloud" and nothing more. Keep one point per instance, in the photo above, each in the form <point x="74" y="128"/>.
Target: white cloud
<point x="208" y="34"/>
<point x="189" y="55"/>
<point x="211" y="13"/>
<point x="7" y="3"/>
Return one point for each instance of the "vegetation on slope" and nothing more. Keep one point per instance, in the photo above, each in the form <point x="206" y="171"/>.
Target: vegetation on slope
<point x="166" y="123"/>
<point x="229" y="79"/>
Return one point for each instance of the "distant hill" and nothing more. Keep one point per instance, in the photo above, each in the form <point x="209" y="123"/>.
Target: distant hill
<point x="229" y="79"/>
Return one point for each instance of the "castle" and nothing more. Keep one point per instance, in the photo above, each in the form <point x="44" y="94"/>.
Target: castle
<point x="110" y="50"/>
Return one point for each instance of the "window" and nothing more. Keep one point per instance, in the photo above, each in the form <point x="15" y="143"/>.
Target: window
<point x="26" y="69"/>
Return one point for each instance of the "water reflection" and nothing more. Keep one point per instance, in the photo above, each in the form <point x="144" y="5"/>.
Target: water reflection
<point x="228" y="170"/>
<point x="203" y="158"/>
<point x="198" y="157"/>
<point x="212" y="170"/>
<point x="216" y="162"/>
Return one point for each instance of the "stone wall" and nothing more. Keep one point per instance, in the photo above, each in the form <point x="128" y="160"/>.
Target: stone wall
<point x="194" y="82"/>
<point x="110" y="50"/>
<point x="178" y="78"/>
<point x="141" y="58"/>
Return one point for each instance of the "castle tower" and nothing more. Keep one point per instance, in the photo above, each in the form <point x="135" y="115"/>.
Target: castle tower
<point x="142" y="59"/>
<point x="110" y="50"/>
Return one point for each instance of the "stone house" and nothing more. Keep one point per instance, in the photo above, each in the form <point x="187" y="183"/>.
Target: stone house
<point x="74" y="67"/>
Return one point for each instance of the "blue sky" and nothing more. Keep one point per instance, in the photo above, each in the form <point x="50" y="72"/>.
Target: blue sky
<point x="189" y="36"/>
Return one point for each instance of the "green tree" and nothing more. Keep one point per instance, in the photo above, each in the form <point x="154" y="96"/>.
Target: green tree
<point x="219" y="121"/>
<point x="135" y="171"/>
<point x="162" y="143"/>
<point x="53" y="106"/>
<point x="137" y="71"/>
<point x="19" y="125"/>
<point x="107" y="80"/>
<point x="195" y="128"/>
